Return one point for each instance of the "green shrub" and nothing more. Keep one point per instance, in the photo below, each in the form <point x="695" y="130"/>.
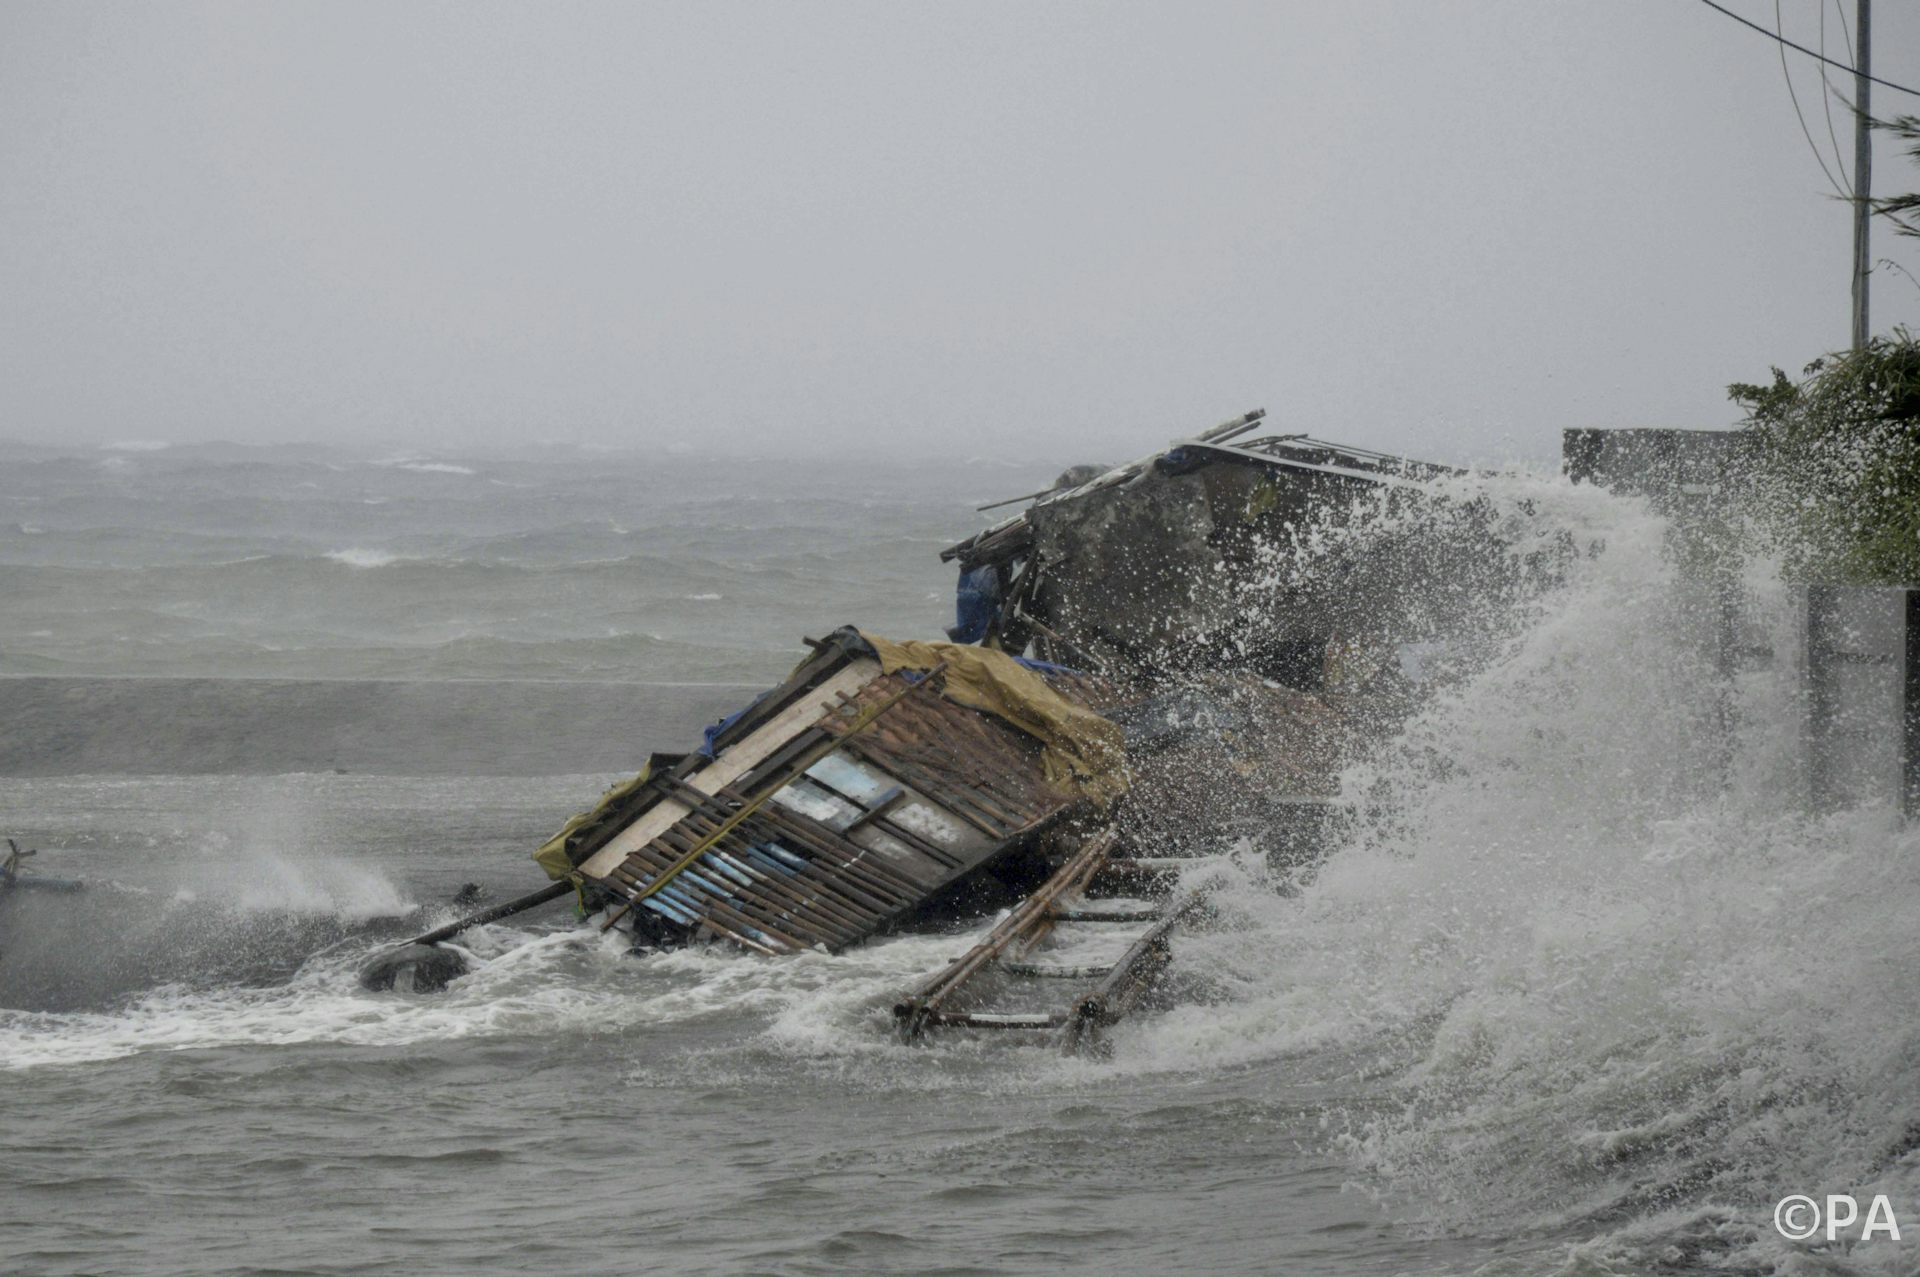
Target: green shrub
<point x="1837" y="462"/>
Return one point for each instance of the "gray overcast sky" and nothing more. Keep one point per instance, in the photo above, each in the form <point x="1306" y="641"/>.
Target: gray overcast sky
<point x="1442" y="227"/>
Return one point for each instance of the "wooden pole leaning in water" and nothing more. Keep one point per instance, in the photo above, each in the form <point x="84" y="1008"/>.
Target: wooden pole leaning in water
<point x="507" y="910"/>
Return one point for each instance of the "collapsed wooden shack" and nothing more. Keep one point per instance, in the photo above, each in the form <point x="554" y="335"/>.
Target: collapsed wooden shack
<point x="875" y="780"/>
<point x="1169" y="564"/>
<point x="1255" y="592"/>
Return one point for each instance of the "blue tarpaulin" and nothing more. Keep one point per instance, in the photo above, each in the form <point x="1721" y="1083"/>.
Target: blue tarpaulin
<point x="713" y="732"/>
<point x="1044" y="667"/>
<point x="976" y="601"/>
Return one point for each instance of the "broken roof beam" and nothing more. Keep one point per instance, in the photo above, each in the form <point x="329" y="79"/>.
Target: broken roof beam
<point x="982" y="553"/>
<point x="1299" y="453"/>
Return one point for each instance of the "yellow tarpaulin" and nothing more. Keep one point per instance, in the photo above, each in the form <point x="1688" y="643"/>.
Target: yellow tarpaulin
<point x="1081" y="751"/>
<point x="554" y="855"/>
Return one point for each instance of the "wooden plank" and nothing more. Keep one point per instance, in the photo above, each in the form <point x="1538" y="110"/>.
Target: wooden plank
<point x="999" y="1019"/>
<point x="1081" y="913"/>
<point x="915" y="1011"/>
<point x="1115" y="995"/>
<point x="1048" y="971"/>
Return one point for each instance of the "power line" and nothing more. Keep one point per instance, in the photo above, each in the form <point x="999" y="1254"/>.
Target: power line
<point x="1774" y="35"/>
<point x="1828" y="91"/>
<point x="1806" y="132"/>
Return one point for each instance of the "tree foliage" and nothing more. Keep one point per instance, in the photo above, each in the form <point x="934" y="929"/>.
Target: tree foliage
<point x="1902" y="210"/>
<point x="1837" y="462"/>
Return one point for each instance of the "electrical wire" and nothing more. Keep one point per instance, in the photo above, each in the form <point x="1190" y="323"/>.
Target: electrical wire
<point x="1826" y="98"/>
<point x="1805" y="132"/>
<point x="1774" y="35"/>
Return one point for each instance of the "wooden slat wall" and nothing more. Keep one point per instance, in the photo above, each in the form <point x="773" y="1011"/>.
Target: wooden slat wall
<point x="982" y="770"/>
<point x="782" y="881"/>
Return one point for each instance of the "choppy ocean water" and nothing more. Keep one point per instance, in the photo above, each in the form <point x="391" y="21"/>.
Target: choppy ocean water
<point x="1568" y="1012"/>
<point x="315" y="563"/>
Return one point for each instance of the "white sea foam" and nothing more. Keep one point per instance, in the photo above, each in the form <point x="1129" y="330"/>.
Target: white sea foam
<point x="361" y="558"/>
<point x="523" y="984"/>
<point x="279" y="858"/>
<point x="421" y="465"/>
<point x="314" y="884"/>
<point x="324" y="1004"/>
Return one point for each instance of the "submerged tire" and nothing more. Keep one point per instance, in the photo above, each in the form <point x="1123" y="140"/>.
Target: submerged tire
<point x="414" y="968"/>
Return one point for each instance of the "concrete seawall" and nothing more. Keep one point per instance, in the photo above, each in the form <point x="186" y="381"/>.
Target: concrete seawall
<point x="197" y="726"/>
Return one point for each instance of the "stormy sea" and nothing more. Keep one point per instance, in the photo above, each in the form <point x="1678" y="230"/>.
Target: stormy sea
<point x="1564" y="1004"/>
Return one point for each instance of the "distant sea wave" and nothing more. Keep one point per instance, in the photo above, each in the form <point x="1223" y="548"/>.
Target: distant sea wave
<point x="357" y="558"/>
<point x="625" y="658"/>
<point x="302" y="562"/>
<point x="189" y="726"/>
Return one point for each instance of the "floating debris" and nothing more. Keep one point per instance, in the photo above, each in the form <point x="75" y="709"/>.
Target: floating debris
<point x="983" y="989"/>
<point x="11" y="878"/>
<point x="413" y="968"/>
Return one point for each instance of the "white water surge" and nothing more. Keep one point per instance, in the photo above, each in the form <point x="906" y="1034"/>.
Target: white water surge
<point x="1620" y="983"/>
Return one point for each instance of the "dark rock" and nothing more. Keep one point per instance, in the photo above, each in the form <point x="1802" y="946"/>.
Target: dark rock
<point x="414" y="968"/>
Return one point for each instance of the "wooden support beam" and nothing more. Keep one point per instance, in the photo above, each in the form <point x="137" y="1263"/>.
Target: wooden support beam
<point x="1114" y="996"/>
<point x="919" y="1009"/>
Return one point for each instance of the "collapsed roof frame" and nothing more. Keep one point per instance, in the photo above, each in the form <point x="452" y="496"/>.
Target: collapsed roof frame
<point x="1095" y="572"/>
<point x="1296" y="453"/>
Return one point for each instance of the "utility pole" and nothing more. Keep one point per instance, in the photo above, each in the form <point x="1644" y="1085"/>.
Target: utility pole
<point x="1862" y="168"/>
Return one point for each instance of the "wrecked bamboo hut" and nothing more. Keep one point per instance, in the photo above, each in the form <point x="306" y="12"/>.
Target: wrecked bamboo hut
<point x="879" y="777"/>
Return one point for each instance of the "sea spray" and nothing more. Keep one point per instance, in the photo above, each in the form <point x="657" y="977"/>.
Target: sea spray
<point x="287" y="857"/>
<point x="243" y="900"/>
<point x="1615" y="972"/>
